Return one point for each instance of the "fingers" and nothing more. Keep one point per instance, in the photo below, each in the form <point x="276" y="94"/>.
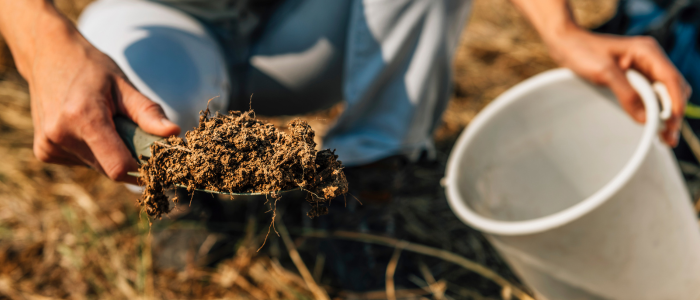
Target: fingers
<point x="100" y="136"/>
<point x="48" y="152"/>
<point x="105" y="152"/>
<point x="616" y="80"/>
<point x="646" y="56"/>
<point x="678" y="98"/>
<point x="83" y="132"/>
<point x="144" y="112"/>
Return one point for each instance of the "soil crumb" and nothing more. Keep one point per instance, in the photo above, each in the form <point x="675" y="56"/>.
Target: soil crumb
<point x="236" y="153"/>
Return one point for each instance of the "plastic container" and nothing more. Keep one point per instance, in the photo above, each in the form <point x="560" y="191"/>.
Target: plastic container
<point x="580" y="200"/>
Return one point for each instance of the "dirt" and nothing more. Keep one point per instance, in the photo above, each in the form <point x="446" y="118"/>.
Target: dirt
<point x="97" y="247"/>
<point x="237" y="153"/>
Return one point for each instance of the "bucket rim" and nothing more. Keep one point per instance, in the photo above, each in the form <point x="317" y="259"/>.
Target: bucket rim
<point x="574" y="212"/>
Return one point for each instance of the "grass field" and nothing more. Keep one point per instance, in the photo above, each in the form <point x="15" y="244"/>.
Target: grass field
<point x="69" y="232"/>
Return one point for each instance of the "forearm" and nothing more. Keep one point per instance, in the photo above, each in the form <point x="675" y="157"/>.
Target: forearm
<point x="28" y="25"/>
<point x="554" y="21"/>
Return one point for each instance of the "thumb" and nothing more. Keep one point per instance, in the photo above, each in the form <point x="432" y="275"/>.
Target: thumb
<point x="143" y="111"/>
<point x="616" y="80"/>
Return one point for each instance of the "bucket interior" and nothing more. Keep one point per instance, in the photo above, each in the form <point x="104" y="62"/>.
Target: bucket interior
<point x="549" y="150"/>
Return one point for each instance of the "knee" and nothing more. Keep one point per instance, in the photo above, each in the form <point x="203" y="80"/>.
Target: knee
<point x="169" y="67"/>
<point x="165" y="53"/>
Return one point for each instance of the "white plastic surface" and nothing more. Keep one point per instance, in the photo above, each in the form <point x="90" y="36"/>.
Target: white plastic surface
<point x="582" y="202"/>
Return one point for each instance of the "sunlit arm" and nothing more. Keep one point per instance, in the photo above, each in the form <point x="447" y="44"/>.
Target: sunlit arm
<point x="26" y="25"/>
<point x="603" y="59"/>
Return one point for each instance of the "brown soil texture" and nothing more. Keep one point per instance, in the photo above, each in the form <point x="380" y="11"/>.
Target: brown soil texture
<point x="236" y="153"/>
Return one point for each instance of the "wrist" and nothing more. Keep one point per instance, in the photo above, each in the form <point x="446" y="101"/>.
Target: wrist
<point x="29" y="25"/>
<point x="556" y="31"/>
<point x="552" y="19"/>
<point x="557" y="40"/>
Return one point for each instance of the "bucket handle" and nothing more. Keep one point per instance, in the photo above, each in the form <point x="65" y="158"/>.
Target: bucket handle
<point x="641" y="84"/>
<point x="664" y="98"/>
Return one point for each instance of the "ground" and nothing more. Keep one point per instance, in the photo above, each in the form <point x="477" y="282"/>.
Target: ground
<point x="68" y="232"/>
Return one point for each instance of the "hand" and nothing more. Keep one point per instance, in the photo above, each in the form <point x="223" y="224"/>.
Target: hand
<point x="75" y="92"/>
<point x="603" y="59"/>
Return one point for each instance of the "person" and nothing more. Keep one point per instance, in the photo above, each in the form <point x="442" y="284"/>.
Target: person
<point x="158" y="62"/>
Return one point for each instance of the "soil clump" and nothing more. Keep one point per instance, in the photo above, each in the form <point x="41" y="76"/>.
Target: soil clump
<point x="236" y="153"/>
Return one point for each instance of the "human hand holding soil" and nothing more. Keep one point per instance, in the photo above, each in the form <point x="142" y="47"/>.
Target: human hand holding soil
<point x="603" y="59"/>
<point x="75" y="91"/>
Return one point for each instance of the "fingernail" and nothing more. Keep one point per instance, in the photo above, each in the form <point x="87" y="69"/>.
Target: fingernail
<point x="167" y="122"/>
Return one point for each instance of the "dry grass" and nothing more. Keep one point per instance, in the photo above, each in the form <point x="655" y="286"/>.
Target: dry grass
<point x="68" y="232"/>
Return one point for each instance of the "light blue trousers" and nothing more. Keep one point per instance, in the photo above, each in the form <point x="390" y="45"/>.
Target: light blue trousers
<point x="389" y="60"/>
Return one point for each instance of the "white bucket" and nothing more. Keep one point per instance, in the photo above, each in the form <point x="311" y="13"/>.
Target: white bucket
<point x="580" y="200"/>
